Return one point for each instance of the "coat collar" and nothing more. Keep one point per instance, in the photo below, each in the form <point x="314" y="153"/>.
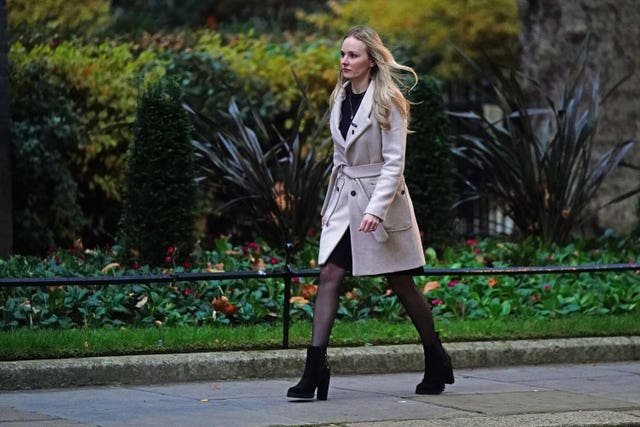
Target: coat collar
<point x="361" y="120"/>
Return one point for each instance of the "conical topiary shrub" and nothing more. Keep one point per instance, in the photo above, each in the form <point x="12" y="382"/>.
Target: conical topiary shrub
<point x="157" y="225"/>
<point x="429" y="167"/>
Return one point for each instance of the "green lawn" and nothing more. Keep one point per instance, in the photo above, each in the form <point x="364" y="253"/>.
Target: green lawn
<point x="37" y="344"/>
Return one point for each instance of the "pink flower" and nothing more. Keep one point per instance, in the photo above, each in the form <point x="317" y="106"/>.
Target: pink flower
<point x="296" y="280"/>
<point x="436" y="301"/>
<point x="254" y="246"/>
<point x="273" y="261"/>
<point x="471" y="242"/>
<point x="632" y="262"/>
<point x="170" y="250"/>
<point x="186" y="265"/>
<point x="452" y="283"/>
<point x="546" y="286"/>
<point x="187" y="292"/>
<point x="167" y="259"/>
<point x="535" y="297"/>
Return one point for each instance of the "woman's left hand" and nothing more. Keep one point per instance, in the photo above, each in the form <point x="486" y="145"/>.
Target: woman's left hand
<point x="369" y="223"/>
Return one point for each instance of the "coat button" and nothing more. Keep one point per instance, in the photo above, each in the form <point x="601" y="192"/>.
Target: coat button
<point x="353" y="193"/>
<point x="337" y="188"/>
<point x="402" y="192"/>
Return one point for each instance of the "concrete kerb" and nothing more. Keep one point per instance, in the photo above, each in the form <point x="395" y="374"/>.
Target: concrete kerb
<point x="218" y="366"/>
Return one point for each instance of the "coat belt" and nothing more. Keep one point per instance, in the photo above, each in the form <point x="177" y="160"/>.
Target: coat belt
<point x="362" y="171"/>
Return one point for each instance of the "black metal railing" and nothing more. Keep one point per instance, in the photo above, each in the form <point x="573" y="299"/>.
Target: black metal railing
<point x="288" y="274"/>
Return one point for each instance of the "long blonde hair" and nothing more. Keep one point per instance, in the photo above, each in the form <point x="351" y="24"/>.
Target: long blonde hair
<point x="386" y="73"/>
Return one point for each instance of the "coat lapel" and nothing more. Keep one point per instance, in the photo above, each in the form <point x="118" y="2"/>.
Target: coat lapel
<point x="334" y="122"/>
<point x="361" y="121"/>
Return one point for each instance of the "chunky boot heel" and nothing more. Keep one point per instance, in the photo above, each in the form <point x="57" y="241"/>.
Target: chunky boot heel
<point x="438" y="369"/>
<point x="316" y="376"/>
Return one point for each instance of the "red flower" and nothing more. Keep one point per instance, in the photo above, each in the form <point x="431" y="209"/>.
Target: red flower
<point x="167" y="259"/>
<point x="437" y="301"/>
<point x="471" y="242"/>
<point x="535" y="297"/>
<point x="170" y="250"/>
<point x="546" y="286"/>
<point x="452" y="283"/>
<point x="186" y="265"/>
<point x="273" y="260"/>
<point x="135" y="266"/>
<point x="187" y="292"/>
<point x="254" y="246"/>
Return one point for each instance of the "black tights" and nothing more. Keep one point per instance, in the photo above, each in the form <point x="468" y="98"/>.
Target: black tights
<point x="326" y="304"/>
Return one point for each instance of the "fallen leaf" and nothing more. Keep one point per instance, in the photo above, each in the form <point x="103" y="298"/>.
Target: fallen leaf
<point x="142" y="302"/>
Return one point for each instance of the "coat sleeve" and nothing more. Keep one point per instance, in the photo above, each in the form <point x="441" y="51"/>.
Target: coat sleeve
<point x="393" y="144"/>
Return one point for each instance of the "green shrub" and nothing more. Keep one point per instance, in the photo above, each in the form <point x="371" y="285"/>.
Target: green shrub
<point x="44" y="21"/>
<point x="260" y="300"/>
<point x="539" y="163"/>
<point x="158" y="219"/>
<point x="429" y="165"/>
<point x="100" y="87"/>
<point x="46" y="133"/>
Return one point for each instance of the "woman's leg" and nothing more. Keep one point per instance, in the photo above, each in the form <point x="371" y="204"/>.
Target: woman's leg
<point x="316" y="373"/>
<point x="326" y="303"/>
<point x="438" y="370"/>
<point x="415" y="305"/>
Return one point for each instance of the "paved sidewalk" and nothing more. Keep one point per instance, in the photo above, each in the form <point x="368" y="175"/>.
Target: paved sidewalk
<point x="559" y="382"/>
<point x="601" y="394"/>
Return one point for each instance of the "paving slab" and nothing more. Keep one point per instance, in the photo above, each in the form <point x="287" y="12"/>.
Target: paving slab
<point x="504" y="397"/>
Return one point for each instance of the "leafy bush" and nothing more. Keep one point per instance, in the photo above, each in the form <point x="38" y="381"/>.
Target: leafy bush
<point x="100" y="89"/>
<point x="158" y="219"/>
<point x="44" y="21"/>
<point x="423" y="30"/>
<point x="538" y="163"/>
<point x="255" y="301"/>
<point x="45" y="134"/>
<point x="429" y="168"/>
<point x="278" y="180"/>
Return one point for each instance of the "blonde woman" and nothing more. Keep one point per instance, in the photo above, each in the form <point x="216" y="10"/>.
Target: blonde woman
<point x="368" y="222"/>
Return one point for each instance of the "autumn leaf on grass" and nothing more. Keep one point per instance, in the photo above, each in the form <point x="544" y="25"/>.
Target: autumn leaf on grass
<point x="111" y="266"/>
<point x="142" y="302"/>
<point x="308" y="291"/>
<point x="223" y="305"/>
<point x="429" y="286"/>
<point x="300" y="301"/>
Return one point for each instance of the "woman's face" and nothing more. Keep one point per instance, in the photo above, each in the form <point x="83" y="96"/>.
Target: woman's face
<point x="354" y="61"/>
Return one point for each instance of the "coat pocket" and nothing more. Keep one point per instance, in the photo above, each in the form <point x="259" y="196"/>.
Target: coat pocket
<point x="399" y="214"/>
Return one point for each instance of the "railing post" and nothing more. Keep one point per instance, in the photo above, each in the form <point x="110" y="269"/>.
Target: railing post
<point x="287" y="296"/>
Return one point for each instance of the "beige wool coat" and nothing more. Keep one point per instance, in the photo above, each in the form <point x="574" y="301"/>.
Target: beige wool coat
<point x="367" y="177"/>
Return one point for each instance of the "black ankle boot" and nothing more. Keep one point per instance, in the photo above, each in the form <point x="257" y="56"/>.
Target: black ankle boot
<point x="437" y="369"/>
<point x="316" y="375"/>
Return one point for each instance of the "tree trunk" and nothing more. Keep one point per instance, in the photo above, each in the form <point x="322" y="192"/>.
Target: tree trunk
<point x="6" y="211"/>
<point x="552" y="32"/>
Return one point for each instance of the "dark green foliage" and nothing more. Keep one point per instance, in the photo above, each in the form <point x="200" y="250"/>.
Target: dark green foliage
<point x="208" y="82"/>
<point x="45" y="133"/>
<point x="429" y="165"/>
<point x="278" y="181"/>
<point x="538" y="162"/>
<point x="261" y="15"/>
<point x="159" y="206"/>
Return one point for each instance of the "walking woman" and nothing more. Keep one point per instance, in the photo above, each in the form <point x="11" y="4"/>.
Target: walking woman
<point x="368" y="223"/>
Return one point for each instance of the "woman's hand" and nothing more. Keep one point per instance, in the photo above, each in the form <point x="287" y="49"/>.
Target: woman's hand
<point x="369" y="223"/>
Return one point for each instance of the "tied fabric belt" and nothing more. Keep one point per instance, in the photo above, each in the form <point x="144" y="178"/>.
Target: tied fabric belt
<point x="355" y="173"/>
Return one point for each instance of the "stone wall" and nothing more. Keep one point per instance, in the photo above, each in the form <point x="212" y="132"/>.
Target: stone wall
<point x="552" y="32"/>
